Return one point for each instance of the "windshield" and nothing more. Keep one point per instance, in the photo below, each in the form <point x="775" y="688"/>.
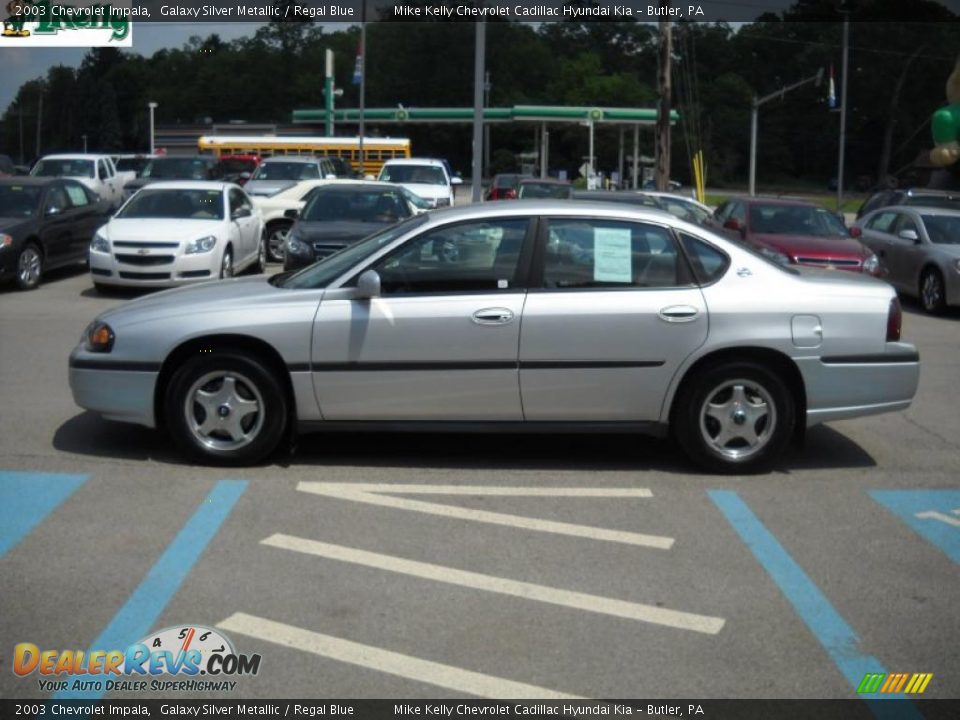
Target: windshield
<point x="64" y="168"/>
<point x="232" y="166"/>
<point x="176" y="169"/>
<point x="947" y="202"/>
<point x="943" y="229"/>
<point x="413" y="174"/>
<point x="280" y="170"/>
<point x="324" y="272"/>
<point x="175" y="204"/>
<point x="134" y="164"/>
<point x="544" y="190"/>
<point x="795" y="220"/>
<point x="363" y="206"/>
<point x="19" y="201"/>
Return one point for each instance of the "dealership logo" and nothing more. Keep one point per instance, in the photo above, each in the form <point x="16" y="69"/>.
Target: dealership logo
<point x="894" y="683"/>
<point x="181" y="653"/>
<point x="74" y="23"/>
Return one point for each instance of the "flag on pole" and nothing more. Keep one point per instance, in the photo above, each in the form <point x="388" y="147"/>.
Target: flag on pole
<point x="358" y="66"/>
<point x="831" y="91"/>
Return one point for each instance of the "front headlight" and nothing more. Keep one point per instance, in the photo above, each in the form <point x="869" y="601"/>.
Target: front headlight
<point x="296" y="246"/>
<point x="99" y="243"/>
<point x="202" y="245"/>
<point x="777" y="257"/>
<point x="871" y="264"/>
<point x="98" y="337"/>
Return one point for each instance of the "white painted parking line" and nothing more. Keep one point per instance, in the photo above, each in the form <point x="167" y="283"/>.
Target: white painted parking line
<point x="942" y="517"/>
<point x="386" y="661"/>
<point x="374" y="494"/>
<point x="528" y="591"/>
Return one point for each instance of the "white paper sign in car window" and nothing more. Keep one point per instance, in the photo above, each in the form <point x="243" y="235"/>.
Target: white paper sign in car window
<point x="611" y="255"/>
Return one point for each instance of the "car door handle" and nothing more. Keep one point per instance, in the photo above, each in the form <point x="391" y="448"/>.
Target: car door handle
<point x="493" y="316"/>
<point x="679" y="313"/>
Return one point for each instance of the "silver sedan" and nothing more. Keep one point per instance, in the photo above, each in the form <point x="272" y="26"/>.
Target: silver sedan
<point x="919" y="250"/>
<point x="532" y="315"/>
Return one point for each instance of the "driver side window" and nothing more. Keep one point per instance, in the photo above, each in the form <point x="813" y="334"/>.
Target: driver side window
<point x="469" y="257"/>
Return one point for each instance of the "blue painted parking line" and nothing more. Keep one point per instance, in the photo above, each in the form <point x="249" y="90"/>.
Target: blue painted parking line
<point x="827" y="625"/>
<point x="933" y="514"/>
<point x="143" y="607"/>
<point x="26" y="498"/>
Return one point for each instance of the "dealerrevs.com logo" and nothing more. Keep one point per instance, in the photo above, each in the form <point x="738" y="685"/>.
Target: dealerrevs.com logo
<point x="66" y="23"/>
<point x="184" y="658"/>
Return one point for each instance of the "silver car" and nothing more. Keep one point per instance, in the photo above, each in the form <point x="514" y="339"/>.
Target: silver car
<point x="531" y="315"/>
<point x="919" y="249"/>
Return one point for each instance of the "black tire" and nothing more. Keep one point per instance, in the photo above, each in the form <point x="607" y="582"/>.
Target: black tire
<point x="29" y="268"/>
<point x="276" y="237"/>
<point x="226" y="264"/>
<point x="758" y="419"/>
<point x="933" y="292"/>
<point x="231" y="438"/>
<point x="260" y="264"/>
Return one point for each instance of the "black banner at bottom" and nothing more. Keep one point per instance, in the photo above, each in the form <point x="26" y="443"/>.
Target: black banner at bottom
<point x="375" y="709"/>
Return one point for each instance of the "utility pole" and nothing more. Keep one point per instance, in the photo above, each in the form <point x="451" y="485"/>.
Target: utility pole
<point x="20" y="108"/>
<point x="663" y="114"/>
<point x="328" y="93"/>
<point x="486" y="126"/>
<point x="844" y="8"/>
<point x="39" y="119"/>
<point x="363" y="82"/>
<point x="479" y="54"/>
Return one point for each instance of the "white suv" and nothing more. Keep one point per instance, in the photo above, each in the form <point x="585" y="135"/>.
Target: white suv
<point x="430" y="179"/>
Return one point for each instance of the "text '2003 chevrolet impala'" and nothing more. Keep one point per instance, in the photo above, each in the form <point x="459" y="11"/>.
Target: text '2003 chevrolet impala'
<point x="532" y="315"/>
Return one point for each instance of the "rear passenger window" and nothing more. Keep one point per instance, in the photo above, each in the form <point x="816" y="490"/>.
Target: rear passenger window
<point x="78" y="197"/>
<point x="709" y="264"/>
<point x="599" y="253"/>
<point x="882" y="222"/>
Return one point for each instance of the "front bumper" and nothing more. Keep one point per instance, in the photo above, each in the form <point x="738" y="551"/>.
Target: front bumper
<point x="158" y="267"/>
<point x="116" y="390"/>
<point x="855" y="385"/>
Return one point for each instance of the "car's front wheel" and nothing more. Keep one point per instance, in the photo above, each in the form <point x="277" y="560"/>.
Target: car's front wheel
<point x="737" y="417"/>
<point x="29" y="267"/>
<point x="276" y="241"/>
<point x="226" y="408"/>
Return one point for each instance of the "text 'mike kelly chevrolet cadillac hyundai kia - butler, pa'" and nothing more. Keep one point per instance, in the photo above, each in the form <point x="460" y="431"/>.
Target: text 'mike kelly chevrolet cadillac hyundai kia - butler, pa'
<point x="543" y="315"/>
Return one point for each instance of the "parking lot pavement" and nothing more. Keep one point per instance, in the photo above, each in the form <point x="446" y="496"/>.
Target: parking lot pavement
<point x="443" y="566"/>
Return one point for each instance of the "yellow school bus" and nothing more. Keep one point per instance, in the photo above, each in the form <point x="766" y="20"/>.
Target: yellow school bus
<point x="376" y="150"/>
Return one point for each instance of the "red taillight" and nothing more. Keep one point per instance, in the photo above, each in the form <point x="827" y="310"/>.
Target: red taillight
<point x="894" y="321"/>
<point x="509" y="194"/>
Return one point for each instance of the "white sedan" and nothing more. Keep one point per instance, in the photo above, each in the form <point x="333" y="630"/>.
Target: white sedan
<point x="174" y="233"/>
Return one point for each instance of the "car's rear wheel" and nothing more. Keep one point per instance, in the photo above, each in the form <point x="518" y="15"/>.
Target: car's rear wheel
<point x="735" y="418"/>
<point x="933" y="294"/>
<point x="29" y="266"/>
<point x="226" y="408"/>
<point x="276" y="240"/>
<point x="260" y="266"/>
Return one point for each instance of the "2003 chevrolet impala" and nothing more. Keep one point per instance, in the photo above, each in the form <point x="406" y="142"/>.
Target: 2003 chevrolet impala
<point x="533" y="315"/>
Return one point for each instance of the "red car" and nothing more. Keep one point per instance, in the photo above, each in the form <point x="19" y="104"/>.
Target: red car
<point x="794" y="232"/>
<point x="237" y="168"/>
<point x="504" y="186"/>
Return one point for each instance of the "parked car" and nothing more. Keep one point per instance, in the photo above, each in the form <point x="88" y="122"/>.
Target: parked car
<point x="794" y="232"/>
<point x="544" y="315"/>
<point x="538" y="188"/>
<point x="919" y="250"/>
<point x="237" y="168"/>
<point x="339" y="214"/>
<point x="278" y="173"/>
<point x="180" y="167"/>
<point x="683" y="207"/>
<point x="673" y="185"/>
<point x="174" y="233"/>
<point x="45" y="223"/>
<point x="97" y="172"/>
<point x="342" y="168"/>
<point x="504" y="186"/>
<point x="279" y="210"/>
<point x="910" y="196"/>
<point x="430" y="179"/>
<point x="132" y="162"/>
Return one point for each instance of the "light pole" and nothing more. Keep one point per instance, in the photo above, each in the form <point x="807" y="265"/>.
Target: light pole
<point x="84" y="143"/>
<point x="843" y="104"/>
<point x="754" y="112"/>
<point x="152" y="106"/>
<point x="479" y="58"/>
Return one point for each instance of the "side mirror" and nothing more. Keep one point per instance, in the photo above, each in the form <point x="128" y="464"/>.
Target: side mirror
<point x="245" y="175"/>
<point x="52" y="211"/>
<point x="291" y="214"/>
<point x="368" y="285"/>
<point x="240" y="212"/>
<point x="368" y="176"/>
<point x="329" y="176"/>
<point x="456" y="180"/>
<point x="910" y="235"/>
<point x="855" y="231"/>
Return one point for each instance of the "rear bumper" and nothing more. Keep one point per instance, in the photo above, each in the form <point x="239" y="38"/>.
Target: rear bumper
<point x="854" y="385"/>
